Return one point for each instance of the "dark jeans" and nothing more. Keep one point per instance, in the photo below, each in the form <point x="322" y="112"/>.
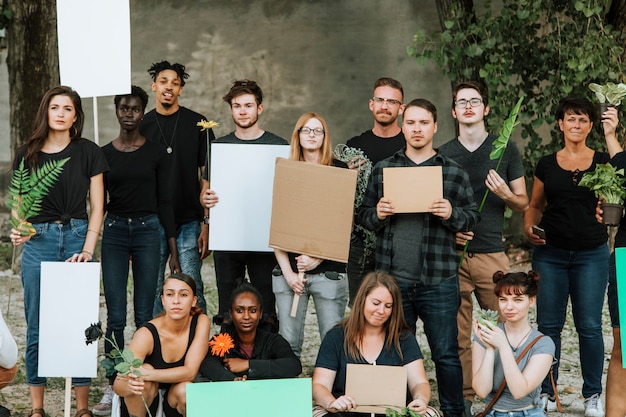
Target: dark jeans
<point x="612" y="292"/>
<point x="189" y="258"/>
<point x="581" y="277"/>
<point x="230" y="271"/>
<point x="125" y="239"/>
<point x="358" y="264"/>
<point x="437" y="306"/>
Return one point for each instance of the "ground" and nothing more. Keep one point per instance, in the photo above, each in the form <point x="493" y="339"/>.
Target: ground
<point x="16" y="396"/>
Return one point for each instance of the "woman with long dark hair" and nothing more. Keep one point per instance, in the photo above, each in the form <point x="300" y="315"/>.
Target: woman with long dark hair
<point x="64" y="230"/>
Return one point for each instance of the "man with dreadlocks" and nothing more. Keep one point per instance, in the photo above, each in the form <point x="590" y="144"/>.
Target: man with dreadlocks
<point x="177" y="128"/>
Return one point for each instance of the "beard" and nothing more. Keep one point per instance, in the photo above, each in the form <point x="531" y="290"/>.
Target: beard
<point x="248" y="123"/>
<point x="385" y="118"/>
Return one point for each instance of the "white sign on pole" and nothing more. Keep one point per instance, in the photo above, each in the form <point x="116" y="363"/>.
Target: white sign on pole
<point x="69" y="303"/>
<point x="94" y="46"/>
<point x="243" y="178"/>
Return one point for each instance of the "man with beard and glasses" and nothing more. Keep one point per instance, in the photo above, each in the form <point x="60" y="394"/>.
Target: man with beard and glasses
<point x="245" y="99"/>
<point x="175" y="127"/>
<point x="378" y="143"/>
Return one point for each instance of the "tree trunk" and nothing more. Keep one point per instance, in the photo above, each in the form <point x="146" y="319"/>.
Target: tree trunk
<point x="617" y="17"/>
<point x="32" y="62"/>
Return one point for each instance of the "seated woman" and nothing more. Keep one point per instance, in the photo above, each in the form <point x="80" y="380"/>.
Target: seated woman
<point x="256" y="353"/>
<point x="376" y="333"/>
<point x="498" y="347"/>
<point x="172" y="346"/>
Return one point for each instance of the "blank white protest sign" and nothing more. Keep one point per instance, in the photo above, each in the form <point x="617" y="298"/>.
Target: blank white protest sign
<point x="242" y="176"/>
<point x="69" y="303"/>
<point x="94" y="46"/>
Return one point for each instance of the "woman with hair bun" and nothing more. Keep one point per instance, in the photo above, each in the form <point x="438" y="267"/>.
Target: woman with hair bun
<point x="499" y="352"/>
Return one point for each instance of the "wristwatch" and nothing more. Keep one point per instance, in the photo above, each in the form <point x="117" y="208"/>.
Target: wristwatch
<point x="206" y="220"/>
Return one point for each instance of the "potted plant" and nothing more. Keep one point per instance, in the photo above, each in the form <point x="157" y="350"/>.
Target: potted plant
<point x="607" y="183"/>
<point x="609" y="94"/>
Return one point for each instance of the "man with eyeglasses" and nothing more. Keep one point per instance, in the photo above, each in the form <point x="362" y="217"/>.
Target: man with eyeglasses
<point x="245" y="99"/>
<point x="378" y="143"/>
<point x="507" y="187"/>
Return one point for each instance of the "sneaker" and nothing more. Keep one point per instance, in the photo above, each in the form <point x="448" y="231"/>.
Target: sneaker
<point x="548" y="404"/>
<point x="469" y="409"/>
<point x="593" y="406"/>
<point x="104" y="407"/>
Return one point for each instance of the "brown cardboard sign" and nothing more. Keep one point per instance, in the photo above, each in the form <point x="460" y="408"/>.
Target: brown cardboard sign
<point x="413" y="189"/>
<point x="312" y="209"/>
<point x="388" y="391"/>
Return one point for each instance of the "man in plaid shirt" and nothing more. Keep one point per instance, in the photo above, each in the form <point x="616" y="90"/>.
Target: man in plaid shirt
<point x="418" y="249"/>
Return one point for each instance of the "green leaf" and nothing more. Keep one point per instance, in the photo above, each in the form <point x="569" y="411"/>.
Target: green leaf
<point x="136" y="363"/>
<point x="128" y="356"/>
<point x="123" y="368"/>
<point x="449" y="24"/>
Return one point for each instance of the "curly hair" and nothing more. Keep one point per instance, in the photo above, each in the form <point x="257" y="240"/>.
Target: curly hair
<point x="179" y="69"/>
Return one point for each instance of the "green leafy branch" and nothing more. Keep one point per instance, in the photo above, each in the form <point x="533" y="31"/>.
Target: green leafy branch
<point x="499" y="146"/>
<point x="607" y="182"/>
<point x="28" y="189"/>
<point x="405" y="412"/>
<point x="118" y="360"/>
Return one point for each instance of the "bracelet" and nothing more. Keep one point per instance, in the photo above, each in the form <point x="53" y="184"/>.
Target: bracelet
<point x="87" y="252"/>
<point x="93" y="231"/>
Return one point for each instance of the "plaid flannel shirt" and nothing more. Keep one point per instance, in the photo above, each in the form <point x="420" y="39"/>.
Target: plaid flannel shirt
<point x="440" y="259"/>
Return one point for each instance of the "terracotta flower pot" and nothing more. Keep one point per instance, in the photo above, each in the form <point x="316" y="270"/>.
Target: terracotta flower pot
<point x="612" y="213"/>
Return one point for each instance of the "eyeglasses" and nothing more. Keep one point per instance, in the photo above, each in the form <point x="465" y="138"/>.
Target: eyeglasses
<point x="389" y="101"/>
<point x="307" y="131"/>
<point x="474" y="102"/>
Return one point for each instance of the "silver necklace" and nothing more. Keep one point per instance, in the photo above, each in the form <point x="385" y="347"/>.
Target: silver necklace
<point x="520" y="342"/>
<point x="169" y="145"/>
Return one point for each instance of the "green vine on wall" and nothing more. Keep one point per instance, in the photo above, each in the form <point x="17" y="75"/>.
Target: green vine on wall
<point x="541" y="49"/>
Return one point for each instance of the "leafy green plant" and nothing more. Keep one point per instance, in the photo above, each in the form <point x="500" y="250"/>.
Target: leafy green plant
<point x="541" y="49"/>
<point x="405" y="412"/>
<point x="607" y="182"/>
<point x="28" y="189"/>
<point x="488" y="316"/>
<point x="610" y="93"/>
<point x="122" y="361"/>
<point x="6" y="15"/>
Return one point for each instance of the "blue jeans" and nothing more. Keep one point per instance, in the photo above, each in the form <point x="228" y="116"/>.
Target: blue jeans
<point x="52" y="242"/>
<point x="580" y="276"/>
<point x="532" y="412"/>
<point x="437" y="306"/>
<point x="189" y="258"/>
<point x="330" y="295"/>
<point x="611" y="292"/>
<point x="124" y="239"/>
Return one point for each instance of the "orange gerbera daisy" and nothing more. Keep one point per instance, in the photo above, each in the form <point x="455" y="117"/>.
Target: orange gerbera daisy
<point x="221" y="344"/>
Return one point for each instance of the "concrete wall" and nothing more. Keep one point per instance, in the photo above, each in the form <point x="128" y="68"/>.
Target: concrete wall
<point x="321" y="55"/>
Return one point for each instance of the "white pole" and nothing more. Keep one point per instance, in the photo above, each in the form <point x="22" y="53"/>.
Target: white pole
<point x="95" y="121"/>
<point x="68" y="397"/>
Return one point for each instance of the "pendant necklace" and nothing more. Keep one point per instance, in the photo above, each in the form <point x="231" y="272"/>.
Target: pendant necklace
<point x="520" y="342"/>
<point x="169" y="145"/>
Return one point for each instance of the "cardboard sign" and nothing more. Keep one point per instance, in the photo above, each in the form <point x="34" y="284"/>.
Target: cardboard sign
<point x="242" y="177"/>
<point x="413" y="189"/>
<point x="620" y="267"/>
<point x="69" y="304"/>
<point x="389" y="391"/>
<point x="313" y="209"/>
<point x="259" y="398"/>
<point x="94" y="46"/>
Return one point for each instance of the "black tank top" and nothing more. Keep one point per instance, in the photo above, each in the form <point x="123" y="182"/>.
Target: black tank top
<point x="156" y="357"/>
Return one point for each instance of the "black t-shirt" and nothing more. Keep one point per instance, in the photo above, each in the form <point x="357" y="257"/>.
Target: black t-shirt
<point x="569" y="217"/>
<point x="67" y="197"/>
<point x="137" y="184"/>
<point x="377" y="148"/>
<point x="180" y="132"/>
